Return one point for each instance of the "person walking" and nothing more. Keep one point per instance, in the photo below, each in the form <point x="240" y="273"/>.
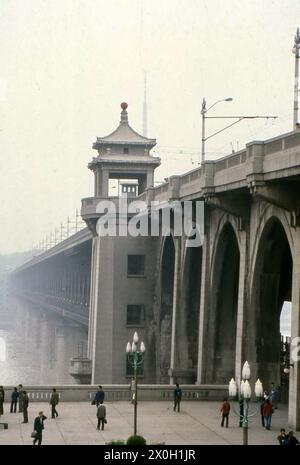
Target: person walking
<point x="38" y="427"/>
<point x="25" y="407"/>
<point x="14" y="401"/>
<point x="225" y="409"/>
<point x="268" y="411"/>
<point x="262" y="403"/>
<point x="99" y="396"/>
<point x="2" y="397"/>
<point x="54" y="402"/>
<point x="101" y="415"/>
<point x="177" y="398"/>
<point x="20" y="389"/>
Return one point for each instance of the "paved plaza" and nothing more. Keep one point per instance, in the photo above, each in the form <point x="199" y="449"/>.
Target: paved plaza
<point x="197" y="423"/>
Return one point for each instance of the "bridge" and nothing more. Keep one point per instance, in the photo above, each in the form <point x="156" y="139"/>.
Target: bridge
<point x="201" y="311"/>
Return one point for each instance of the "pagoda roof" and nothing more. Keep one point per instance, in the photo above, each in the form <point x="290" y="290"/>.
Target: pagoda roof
<point x="124" y="134"/>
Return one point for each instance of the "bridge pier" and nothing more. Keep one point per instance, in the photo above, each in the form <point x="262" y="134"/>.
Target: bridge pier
<point x="294" y="388"/>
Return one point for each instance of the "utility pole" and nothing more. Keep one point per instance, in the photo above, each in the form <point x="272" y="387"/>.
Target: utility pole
<point x="296" y="51"/>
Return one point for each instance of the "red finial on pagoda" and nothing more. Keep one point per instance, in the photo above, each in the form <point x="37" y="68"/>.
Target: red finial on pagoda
<point x="124" y="105"/>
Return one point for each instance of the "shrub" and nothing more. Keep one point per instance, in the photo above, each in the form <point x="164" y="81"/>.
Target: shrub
<point x="136" y="441"/>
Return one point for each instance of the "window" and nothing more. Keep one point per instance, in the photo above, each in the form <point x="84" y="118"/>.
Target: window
<point x="135" y="315"/>
<point x="136" y="265"/>
<point x="126" y="150"/>
<point x="130" y="369"/>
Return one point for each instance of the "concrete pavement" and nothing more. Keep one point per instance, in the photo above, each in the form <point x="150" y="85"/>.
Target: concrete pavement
<point x="197" y="423"/>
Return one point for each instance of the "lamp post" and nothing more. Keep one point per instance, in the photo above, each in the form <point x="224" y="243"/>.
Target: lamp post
<point x="135" y="358"/>
<point x="244" y="394"/>
<point x="204" y="110"/>
<point x="296" y="51"/>
<point x="237" y="119"/>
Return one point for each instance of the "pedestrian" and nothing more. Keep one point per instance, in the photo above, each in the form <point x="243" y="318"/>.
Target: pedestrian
<point x="274" y="395"/>
<point x="283" y="438"/>
<point x="177" y="398"/>
<point x="99" y="396"/>
<point x="54" y="402"/>
<point x="25" y="407"/>
<point x="20" y="389"/>
<point x="267" y="412"/>
<point x="292" y="440"/>
<point x="2" y="397"/>
<point x="262" y="403"/>
<point x="225" y="409"/>
<point x="101" y="415"/>
<point x="38" y="427"/>
<point x="14" y="401"/>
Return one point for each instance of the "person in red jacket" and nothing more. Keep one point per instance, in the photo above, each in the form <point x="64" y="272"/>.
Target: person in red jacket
<point x="267" y="412"/>
<point x="225" y="409"/>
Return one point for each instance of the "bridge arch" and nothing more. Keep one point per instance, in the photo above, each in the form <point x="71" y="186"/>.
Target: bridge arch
<point x="167" y="268"/>
<point x="271" y="285"/>
<point x="187" y="325"/>
<point x="224" y="304"/>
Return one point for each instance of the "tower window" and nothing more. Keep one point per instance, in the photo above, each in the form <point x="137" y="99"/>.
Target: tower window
<point x="135" y="315"/>
<point x="126" y="150"/>
<point x="136" y="265"/>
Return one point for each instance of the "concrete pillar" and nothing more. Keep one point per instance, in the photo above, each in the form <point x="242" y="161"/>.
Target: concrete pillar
<point x="294" y="391"/>
<point x="150" y="179"/>
<point x="240" y="335"/>
<point x="103" y="178"/>
<point x="201" y="369"/>
<point x="176" y="298"/>
<point x="93" y="296"/>
<point x="101" y="326"/>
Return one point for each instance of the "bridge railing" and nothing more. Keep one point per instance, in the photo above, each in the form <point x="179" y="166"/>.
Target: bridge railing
<point x="122" y="392"/>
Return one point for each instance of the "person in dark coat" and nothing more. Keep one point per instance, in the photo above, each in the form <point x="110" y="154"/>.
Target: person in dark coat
<point x="20" y="389"/>
<point x="25" y="407"/>
<point x="38" y="427"/>
<point x="2" y="397"/>
<point x="14" y="401"/>
<point x="177" y="398"/>
<point x="101" y="415"/>
<point x="292" y="440"/>
<point x="99" y="396"/>
<point x="54" y="402"/>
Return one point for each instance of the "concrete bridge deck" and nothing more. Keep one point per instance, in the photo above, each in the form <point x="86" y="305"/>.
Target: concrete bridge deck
<point x="197" y="423"/>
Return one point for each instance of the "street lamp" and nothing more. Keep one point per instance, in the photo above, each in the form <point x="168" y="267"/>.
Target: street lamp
<point x="135" y="358"/>
<point x="237" y="118"/>
<point x="296" y="51"/>
<point x="204" y="110"/>
<point x="244" y="395"/>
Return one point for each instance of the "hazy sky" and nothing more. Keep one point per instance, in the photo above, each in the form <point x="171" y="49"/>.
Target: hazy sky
<point x="66" y="65"/>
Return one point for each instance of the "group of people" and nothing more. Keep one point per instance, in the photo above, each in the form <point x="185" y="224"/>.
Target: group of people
<point x="20" y="402"/>
<point x="101" y="409"/>
<point x="268" y="403"/>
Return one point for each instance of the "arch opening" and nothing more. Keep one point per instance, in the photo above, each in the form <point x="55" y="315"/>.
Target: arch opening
<point x="187" y="326"/>
<point x="223" y="315"/>
<point x="272" y="287"/>
<point x="167" y="287"/>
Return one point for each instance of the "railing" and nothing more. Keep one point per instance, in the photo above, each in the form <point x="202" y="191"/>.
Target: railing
<point x="122" y="392"/>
